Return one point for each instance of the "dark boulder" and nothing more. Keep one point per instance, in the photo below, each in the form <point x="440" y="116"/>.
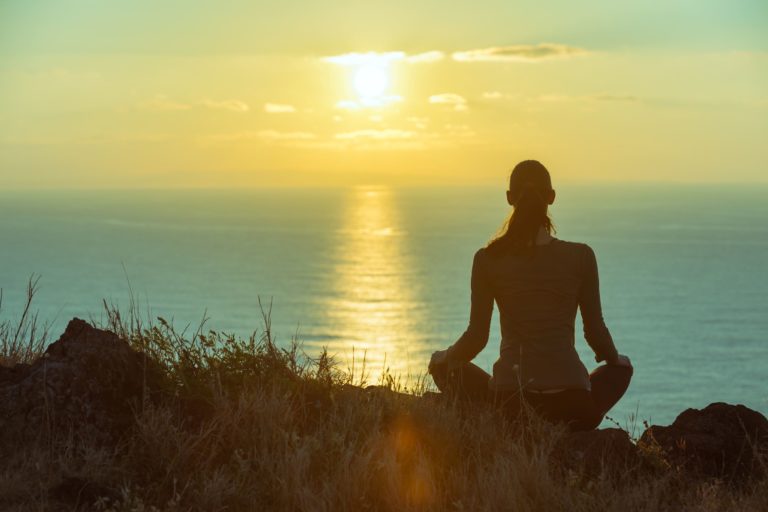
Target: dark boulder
<point x="89" y="382"/>
<point x="720" y="441"/>
<point x="595" y="451"/>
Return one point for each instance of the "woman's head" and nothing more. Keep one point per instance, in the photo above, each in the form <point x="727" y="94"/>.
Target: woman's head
<point x="530" y="175"/>
<point x="530" y="193"/>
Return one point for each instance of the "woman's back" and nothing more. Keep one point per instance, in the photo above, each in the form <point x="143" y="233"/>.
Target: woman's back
<point x="538" y="294"/>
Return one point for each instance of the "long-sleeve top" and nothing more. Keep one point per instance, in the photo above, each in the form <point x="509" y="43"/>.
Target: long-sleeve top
<point x="537" y="296"/>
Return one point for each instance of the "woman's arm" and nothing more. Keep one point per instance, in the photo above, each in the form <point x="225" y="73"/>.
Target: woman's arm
<point x="475" y="337"/>
<point x="595" y="332"/>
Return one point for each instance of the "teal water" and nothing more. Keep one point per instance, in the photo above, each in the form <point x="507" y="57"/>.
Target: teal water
<point x="383" y="273"/>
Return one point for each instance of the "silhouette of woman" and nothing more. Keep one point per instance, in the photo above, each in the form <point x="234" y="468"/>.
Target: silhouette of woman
<point x="538" y="282"/>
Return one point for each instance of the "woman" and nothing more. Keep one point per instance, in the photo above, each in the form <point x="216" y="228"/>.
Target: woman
<point x="538" y="282"/>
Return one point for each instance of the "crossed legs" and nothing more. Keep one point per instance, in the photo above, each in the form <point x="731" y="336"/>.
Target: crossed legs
<point x="581" y="409"/>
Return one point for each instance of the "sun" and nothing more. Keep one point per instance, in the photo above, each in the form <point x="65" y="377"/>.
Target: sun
<point x="371" y="80"/>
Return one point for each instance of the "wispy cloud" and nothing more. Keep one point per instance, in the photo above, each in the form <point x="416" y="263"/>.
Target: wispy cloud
<point x="279" y="108"/>
<point x="359" y="59"/>
<point x="519" y="53"/>
<point x="401" y="139"/>
<point x="458" y="102"/>
<point x="366" y="139"/>
<point x="511" y="53"/>
<point x="233" y="105"/>
<point x="432" y="56"/>
<point x="373" y="102"/>
<point x="262" y="135"/>
<point x="387" y="134"/>
<point x="497" y="95"/>
<point x="390" y="139"/>
<point x="274" y="135"/>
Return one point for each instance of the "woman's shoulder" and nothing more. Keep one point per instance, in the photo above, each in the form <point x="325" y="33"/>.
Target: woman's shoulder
<point x="580" y="250"/>
<point x="572" y="245"/>
<point x="563" y="245"/>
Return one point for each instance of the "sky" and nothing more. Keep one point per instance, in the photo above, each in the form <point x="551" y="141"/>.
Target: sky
<point x="173" y="93"/>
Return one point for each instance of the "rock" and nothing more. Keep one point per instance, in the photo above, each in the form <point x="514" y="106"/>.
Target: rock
<point x="720" y="441"/>
<point x="89" y="381"/>
<point x="594" y="450"/>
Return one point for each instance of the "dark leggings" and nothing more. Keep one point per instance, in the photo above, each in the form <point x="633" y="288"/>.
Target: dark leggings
<point x="580" y="409"/>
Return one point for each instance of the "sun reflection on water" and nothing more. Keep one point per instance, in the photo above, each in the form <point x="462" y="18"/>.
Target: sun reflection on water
<point x="374" y="311"/>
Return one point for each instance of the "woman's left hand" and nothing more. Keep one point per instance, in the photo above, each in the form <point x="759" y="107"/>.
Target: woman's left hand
<point x="438" y="358"/>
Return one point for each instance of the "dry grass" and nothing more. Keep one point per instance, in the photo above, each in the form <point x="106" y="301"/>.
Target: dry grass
<point x="24" y="339"/>
<point x="253" y="426"/>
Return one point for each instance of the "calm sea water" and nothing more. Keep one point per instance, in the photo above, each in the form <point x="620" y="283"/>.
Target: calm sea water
<point x="383" y="273"/>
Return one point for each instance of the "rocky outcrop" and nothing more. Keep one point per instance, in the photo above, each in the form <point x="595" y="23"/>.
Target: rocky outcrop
<point x="723" y="441"/>
<point x="89" y="382"/>
<point x="595" y="450"/>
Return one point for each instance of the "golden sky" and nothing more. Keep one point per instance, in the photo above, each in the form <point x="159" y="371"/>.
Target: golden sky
<point x="252" y="93"/>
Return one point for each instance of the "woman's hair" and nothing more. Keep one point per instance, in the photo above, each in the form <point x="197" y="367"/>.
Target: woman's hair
<point x="529" y="187"/>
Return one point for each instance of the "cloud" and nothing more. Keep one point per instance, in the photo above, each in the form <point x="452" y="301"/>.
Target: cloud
<point x="398" y="139"/>
<point x="497" y="95"/>
<point x="358" y="59"/>
<point x="279" y="108"/>
<point x="519" y="53"/>
<point x="373" y="102"/>
<point x="512" y="53"/>
<point x="432" y="56"/>
<point x="233" y="105"/>
<point x="387" y="134"/>
<point x="367" y="139"/>
<point x="449" y="98"/>
<point x="389" y="139"/>
<point x="276" y="135"/>
<point x="263" y="135"/>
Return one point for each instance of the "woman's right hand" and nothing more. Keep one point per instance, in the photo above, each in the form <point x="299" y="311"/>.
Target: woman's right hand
<point x="621" y="360"/>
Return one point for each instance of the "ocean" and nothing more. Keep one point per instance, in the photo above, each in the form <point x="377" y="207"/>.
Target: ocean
<point x="381" y="274"/>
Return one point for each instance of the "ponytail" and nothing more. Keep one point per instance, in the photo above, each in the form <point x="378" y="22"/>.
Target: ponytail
<point x="529" y="186"/>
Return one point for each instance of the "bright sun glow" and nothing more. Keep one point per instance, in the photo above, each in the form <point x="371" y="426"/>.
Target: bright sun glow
<point x="371" y="80"/>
